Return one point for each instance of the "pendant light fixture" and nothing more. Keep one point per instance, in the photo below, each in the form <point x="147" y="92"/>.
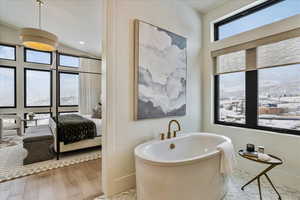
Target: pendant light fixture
<point x="39" y="39"/>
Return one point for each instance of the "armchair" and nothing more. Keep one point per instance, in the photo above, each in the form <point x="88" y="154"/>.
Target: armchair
<point x="14" y="123"/>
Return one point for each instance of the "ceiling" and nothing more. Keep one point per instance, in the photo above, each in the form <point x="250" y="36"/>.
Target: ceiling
<point x="204" y="6"/>
<point x="72" y="20"/>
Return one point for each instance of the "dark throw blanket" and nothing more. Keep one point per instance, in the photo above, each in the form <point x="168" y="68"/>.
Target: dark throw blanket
<point x="73" y="128"/>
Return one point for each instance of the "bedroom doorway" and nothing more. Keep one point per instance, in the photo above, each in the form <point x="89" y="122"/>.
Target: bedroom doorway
<point x="50" y="102"/>
<point x="61" y="121"/>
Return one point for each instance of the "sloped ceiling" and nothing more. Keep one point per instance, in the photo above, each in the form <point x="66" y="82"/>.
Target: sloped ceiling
<point x="71" y="20"/>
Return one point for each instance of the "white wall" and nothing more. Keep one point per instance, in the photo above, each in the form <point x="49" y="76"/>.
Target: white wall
<point x="122" y="133"/>
<point x="284" y="146"/>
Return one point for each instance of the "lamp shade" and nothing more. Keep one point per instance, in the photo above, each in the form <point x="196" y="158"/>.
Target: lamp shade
<point x="38" y="39"/>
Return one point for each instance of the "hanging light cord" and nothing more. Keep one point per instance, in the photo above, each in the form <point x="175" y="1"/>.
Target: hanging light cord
<point x="40" y="3"/>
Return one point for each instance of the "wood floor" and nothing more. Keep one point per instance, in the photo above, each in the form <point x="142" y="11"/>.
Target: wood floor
<point x="77" y="182"/>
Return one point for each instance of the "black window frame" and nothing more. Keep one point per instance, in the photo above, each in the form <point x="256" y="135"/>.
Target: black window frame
<point x="58" y="88"/>
<point x="15" y="52"/>
<point x="70" y="55"/>
<point x="251" y="114"/>
<point x="15" y="88"/>
<point x="244" y="13"/>
<point x="25" y="88"/>
<point x="25" y="56"/>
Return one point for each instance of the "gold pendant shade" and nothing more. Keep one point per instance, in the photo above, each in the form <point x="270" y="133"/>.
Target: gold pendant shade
<point x="38" y="39"/>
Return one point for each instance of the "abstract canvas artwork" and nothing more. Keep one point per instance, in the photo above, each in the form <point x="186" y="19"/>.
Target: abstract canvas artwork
<point x="160" y="72"/>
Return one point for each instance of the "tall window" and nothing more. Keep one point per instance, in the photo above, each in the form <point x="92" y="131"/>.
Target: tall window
<point x="37" y="88"/>
<point x="7" y="87"/>
<point x="265" y="92"/>
<point x="41" y="57"/>
<point x="68" y="89"/>
<point x="279" y="97"/>
<point x="263" y="14"/>
<point x="7" y="52"/>
<point x="232" y="97"/>
<point x="69" y="61"/>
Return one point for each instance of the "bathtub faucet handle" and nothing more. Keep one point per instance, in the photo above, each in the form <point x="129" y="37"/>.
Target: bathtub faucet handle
<point x="162" y="136"/>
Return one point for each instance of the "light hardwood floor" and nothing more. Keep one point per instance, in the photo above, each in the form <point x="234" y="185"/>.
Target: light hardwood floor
<point x="77" y="182"/>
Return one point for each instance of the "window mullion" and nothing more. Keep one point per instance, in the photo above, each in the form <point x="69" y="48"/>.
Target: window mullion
<point x="251" y="98"/>
<point x="216" y="98"/>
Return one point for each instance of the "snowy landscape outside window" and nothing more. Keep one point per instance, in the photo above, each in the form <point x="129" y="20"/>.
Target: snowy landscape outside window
<point x="69" y="89"/>
<point x="232" y="97"/>
<point x="7" y="87"/>
<point x="256" y="83"/>
<point x="37" y="88"/>
<point x="279" y="97"/>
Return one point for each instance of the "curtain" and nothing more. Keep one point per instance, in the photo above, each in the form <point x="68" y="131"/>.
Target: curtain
<point x="89" y="85"/>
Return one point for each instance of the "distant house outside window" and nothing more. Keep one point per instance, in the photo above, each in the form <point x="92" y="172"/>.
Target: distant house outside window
<point x="279" y="97"/>
<point x="232" y="97"/>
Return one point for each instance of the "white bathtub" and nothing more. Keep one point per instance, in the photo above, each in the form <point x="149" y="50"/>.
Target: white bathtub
<point x="190" y="171"/>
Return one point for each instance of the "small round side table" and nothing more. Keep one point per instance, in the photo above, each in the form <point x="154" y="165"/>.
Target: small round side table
<point x="273" y="162"/>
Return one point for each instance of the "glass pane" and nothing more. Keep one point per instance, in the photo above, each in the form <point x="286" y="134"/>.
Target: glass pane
<point x="7" y="87"/>
<point x="38" y="88"/>
<point x="231" y="62"/>
<point x="260" y="18"/>
<point x="279" y="53"/>
<point x="69" y="61"/>
<point x="232" y="97"/>
<point x="279" y="97"/>
<point x="42" y="119"/>
<point x="69" y="89"/>
<point x="38" y="56"/>
<point x="7" y="52"/>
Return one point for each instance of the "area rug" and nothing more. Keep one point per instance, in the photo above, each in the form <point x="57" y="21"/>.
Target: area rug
<point x="234" y="193"/>
<point x="11" y="162"/>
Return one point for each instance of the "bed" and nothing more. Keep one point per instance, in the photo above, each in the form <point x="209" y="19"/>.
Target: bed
<point x="82" y="144"/>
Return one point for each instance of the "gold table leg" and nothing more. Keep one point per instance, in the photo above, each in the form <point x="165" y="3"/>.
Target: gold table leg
<point x="258" y="181"/>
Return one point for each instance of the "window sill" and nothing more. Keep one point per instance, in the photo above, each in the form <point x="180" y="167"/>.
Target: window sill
<point x="263" y="130"/>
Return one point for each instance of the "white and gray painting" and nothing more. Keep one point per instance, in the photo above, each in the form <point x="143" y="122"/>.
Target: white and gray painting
<point x="162" y="73"/>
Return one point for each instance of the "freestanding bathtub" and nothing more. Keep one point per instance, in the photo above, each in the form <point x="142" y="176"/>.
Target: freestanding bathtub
<point x="182" y="168"/>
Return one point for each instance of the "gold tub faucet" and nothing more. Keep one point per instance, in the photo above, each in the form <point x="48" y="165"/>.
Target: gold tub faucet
<point x="169" y="128"/>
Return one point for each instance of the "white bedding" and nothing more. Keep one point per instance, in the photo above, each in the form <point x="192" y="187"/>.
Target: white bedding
<point x="81" y="144"/>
